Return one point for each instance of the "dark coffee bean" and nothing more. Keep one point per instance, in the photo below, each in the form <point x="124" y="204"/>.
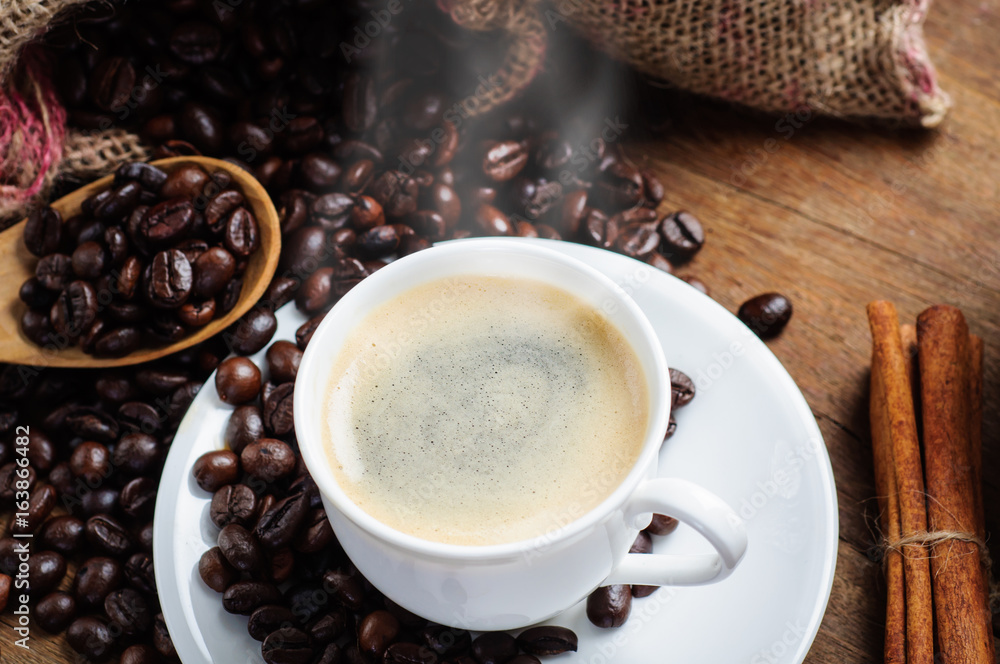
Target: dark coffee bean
<point x="553" y="154"/>
<point x="128" y="278"/>
<point x="139" y="653"/>
<point x="380" y="241"/>
<point x="619" y="187"/>
<point x="269" y="618"/>
<point x="91" y="637"/>
<point x="187" y="182"/>
<point x="192" y="249"/>
<point x="240" y="549"/>
<point x="112" y="83"/>
<point x="237" y="380"/>
<point x="138" y="452"/>
<point x="245" y="426"/>
<point x="547" y="640"/>
<point x="150" y="177"/>
<point x="196" y="42"/>
<point x="119" y="203"/>
<point x="319" y="172"/>
<point x="197" y="314"/>
<point x="216" y="571"/>
<point x="243" y="597"/>
<point x="138" y="497"/>
<point x="767" y="314"/>
<point x="609" y="606"/>
<point x="671" y="428"/>
<point x="360" y="103"/>
<point x="643" y="543"/>
<point x="252" y="331"/>
<point x="45" y="570"/>
<point x="316" y="291"/>
<point x="161" y="638"/>
<point x="447" y="642"/>
<point x="525" y="659"/>
<point x="169" y="279"/>
<point x="598" y="230"/>
<point x="12" y="481"/>
<point x="268" y="459"/>
<point x="396" y="192"/>
<point x="682" y="236"/>
<point x="215" y="469"/>
<point x="107" y="535"/>
<point x="280" y="291"/>
<point x="306" y="330"/>
<point x="95" y="579"/>
<point x="41" y="451"/>
<point x="234" y="503"/>
<point x="93" y="423"/>
<point x="377" y="630"/>
<point x="283" y="358"/>
<point x="534" y="198"/>
<point x="662" y="525"/>
<point x="90" y="461"/>
<point x="139" y="572"/>
<point x="652" y="189"/>
<point x="75" y="309"/>
<point x="89" y="260"/>
<point x="117" y="245"/>
<point x="638" y="240"/>
<point x="302" y="135"/>
<point x="408" y="653"/>
<point x="41" y="501"/>
<point x="37" y="326"/>
<point x="43" y="231"/>
<point x="504" y="160"/>
<point x="36" y="296"/>
<point x="211" y="271"/>
<point x="229" y="297"/>
<point x="10" y="550"/>
<point x="278" y="526"/>
<point x="278" y="416"/>
<point x="657" y="260"/>
<point x="366" y="214"/>
<point x="492" y="221"/>
<point x="287" y="645"/>
<point x="127" y="609"/>
<point x="333" y="210"/>
<point x="54" y="271"/>
<point x="304" y="250"/>
<point x="242" y="234"/>
<point x="167" y="222"/>
<point x="220" y="207"/>
<point x="55" y="612"/>
<point x="64" y="534"/>
<point x="682" y="389"/>
<point x="359" y="175"/>
<point x="316" y="533"/>
<point x="494" y="648"/>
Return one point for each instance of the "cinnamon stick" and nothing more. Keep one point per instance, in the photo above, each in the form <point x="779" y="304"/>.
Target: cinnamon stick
<point x="976" y="430"/>
<point x="960" y="593"/>
<point x="895" y="394"/>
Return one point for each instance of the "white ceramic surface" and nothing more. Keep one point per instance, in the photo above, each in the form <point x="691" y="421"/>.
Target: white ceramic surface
<point x="513" y="585"/>
<point x="748" y="436"/>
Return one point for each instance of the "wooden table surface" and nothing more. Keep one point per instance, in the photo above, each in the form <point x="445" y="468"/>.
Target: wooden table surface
<point x="835" y="216"/>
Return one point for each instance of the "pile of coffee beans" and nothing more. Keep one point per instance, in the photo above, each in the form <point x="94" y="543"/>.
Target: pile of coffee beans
<point x="95" y="450"/>
<point x="147" y="259"/>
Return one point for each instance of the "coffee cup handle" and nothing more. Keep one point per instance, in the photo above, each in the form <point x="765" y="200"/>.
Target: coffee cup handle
<point x="702" y="510"/>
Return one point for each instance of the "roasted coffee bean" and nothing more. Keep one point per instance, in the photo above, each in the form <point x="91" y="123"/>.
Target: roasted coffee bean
<point x="9" y="555"/>
<point x="278" y="526"/>
<point x="127" y="609"/>
<point x="609" y="606"/>
<point x="252" y="331"/>
<point x="219" y="209"/>
<point x="652" y="189"/>
<point x="380" y="241"/>
<point x="619" y="187"/>
<point x="45" y="570"/>
<point x="287" y="645"/>
<point x="333" y="210"/>
<point x="662" y="525"/>
<point x="547" y="640"/>
<point x="74" y="309"/>
<point x="139" y="572"/>
<point x="112" y="83"/>
<point x="408" y="653"/>
<point x="316" y="533"/>
<point x="117" y="245"/>
<point x="504" y="160"/>
<point x="360" y="103"/>
<point x="328" y="627"/>
<point x="40" y="504"/>
<point x="195" y="42"/>
<point x="366" y="214"/>
<point x="169" y="279"/>
<point x="598" y="230"/>
<point x="347" y="589"/>
<point x="278" y="416"/>
<point x="396" y="192"/>
<point x="139" y="653"/>
<point x="280" y="291"/>
<point x="128" y="279"/>
<point x="767" y="314"/>
<point x="229" y="297"/>
<point x="525" y="659"/>
<point x="138" y="497"/>
<point x="188" y="181"/>
<point x="358" y="176"/>
<point x="283" y="358"/>
<point x="42" y="231"/>
<point x="237" y="380"/>
<point x="245" y="426"/>
<point x="494" y="648"/>
<point x="117" y="205"/>
<point x="161" y="638"/>
<point x="192" y="249"/>
<point x="167" y="222"/>
<point x="304" y="250"/>
<point x="377" y="630"/>
<point x="306" y="330"/>
<point x="671" y="427"/>
<point x="89" y="260"/>
<point x="302" y="135"/>
<point x="657" y="260"/>
<point x="90" y="461"/>
<point x="316" y="291"/>
<point x="91" y="637"/>
<point x="95" y="579"/>
<point x="215" y="469"/>
<point x="318" y="172"/>
<point x="446" y="642"/>
<point x="150" y="177"/>
<point x="138" y="453"/>
<point x="216" y="571"/>
<point x="234" y="503"/>
<point x="107" y="535"/>
<point x="41" y="451"/>
<point x="682" y="236"/>
<point x="269" y="618"/>
<point x="54" y="271"/>
<point x="682" y="389"/>
<point x="268" y="459"/>
<point x="242" y="234"/>
<point x="240" y="549"/>
<point x="638" y="240"/>
<point x="643" y="543"/>
<point x="64" y="534"/>
<point x="37" y="326"/>
<point x="11" y="480"/>
<point x="36" y="296"/>
<point x="197" y="314"/>
<point x="491" y="221"/>
<point x="243" y="597"/>
<point x="202" y="125"/>
<point x="55" y="612"/>
<point x="696" y="283"/>
<point x="212" y="270"/>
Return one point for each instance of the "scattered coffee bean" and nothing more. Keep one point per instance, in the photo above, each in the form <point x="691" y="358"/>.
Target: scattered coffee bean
<point x="55" y="611"/>
<point x="609" y="606"/>
<point x="494" y="648"/>
<point x="767" y="314"/>
<point x="213" y="470"/>
<point x="682" y="236"/>
<point x="237" y="380"/>
<point x="547" y="640"/>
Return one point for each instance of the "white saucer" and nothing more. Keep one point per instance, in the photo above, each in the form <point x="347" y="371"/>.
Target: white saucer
<point x="748" y="436"/>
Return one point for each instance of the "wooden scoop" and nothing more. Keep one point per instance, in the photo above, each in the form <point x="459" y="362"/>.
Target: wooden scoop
<point x="17" y="264"/>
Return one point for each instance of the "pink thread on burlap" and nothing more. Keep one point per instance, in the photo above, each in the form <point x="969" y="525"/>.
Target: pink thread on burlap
<point x="32" y="130"/>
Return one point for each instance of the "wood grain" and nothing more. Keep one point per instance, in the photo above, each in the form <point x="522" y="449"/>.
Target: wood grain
<point x="17" y="265"/>
<point x="836" y="217"/>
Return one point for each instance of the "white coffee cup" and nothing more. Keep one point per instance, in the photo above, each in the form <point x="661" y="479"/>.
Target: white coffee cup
<point x="505" y="586"/>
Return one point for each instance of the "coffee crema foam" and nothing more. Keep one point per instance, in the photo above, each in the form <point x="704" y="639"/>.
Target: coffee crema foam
<point x="484" y="410"/>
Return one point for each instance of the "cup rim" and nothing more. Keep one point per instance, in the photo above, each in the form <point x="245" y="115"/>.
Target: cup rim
<point x="317" y="462"/>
